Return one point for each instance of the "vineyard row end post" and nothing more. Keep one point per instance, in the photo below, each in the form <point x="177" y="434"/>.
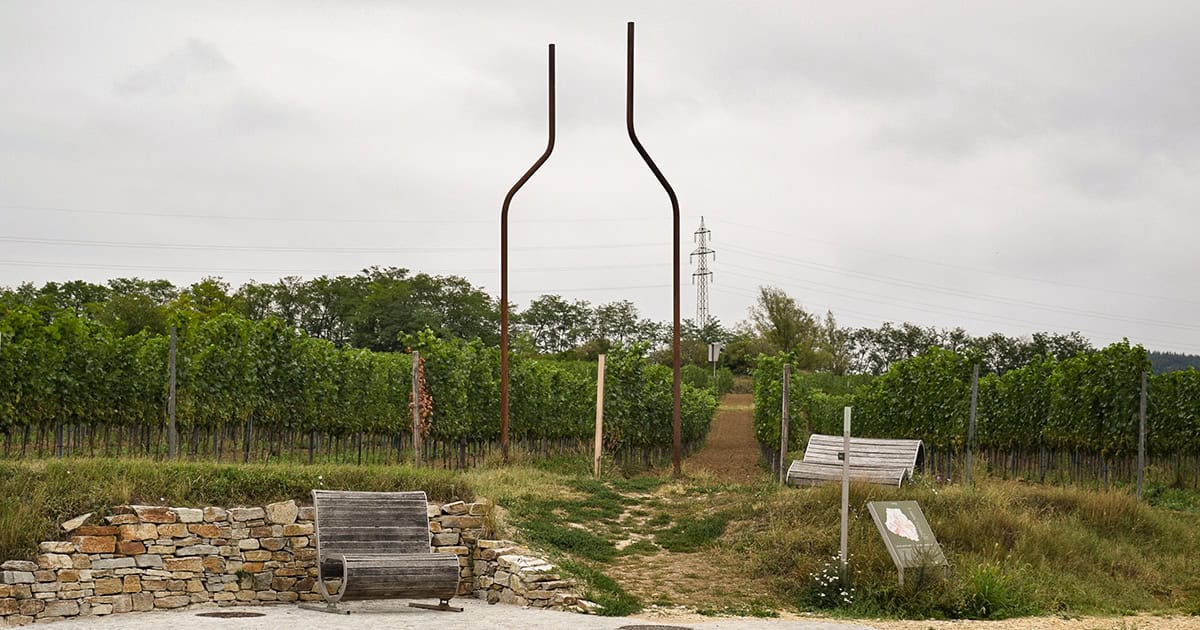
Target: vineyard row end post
<point x="599" y="416"/>
<point x="416" y="407"/>
<point x="971" y="422"/>
<point x="1141" y="471"/>
<point x="172" y="432"/>
<point x="784" y="417"/>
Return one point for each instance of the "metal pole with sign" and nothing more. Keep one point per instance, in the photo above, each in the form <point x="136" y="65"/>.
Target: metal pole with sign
<point x="845" y="556"/>
<point x="714" y="355"/>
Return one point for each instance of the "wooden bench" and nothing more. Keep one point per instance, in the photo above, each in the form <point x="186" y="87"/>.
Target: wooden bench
<point x="377" y="545"/>
<point x="878" y="461"/>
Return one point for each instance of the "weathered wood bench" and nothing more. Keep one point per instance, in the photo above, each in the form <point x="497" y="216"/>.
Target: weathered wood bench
<point x="377" y="544"/>
<point x="878" y="461"/>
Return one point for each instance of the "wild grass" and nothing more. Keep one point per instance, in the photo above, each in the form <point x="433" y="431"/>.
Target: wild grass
<point x="691" y="534"/>
<point x="1014" y="549"/>
<point x="599" y="588"/>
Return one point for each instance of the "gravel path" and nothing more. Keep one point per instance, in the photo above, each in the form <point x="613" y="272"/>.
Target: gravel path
<point x="397" y="616"/>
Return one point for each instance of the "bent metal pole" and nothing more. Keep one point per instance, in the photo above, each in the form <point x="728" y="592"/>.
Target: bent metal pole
<point x="676" y="356"/>
<point x="504" y="267"/>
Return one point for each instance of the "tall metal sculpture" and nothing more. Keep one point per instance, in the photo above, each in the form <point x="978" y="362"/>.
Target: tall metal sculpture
<point x="675" y="254"/>
<point x="504" y="267"/>
<point x="676" y="444"/>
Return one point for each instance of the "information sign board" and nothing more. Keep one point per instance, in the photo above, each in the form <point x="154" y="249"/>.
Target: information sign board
<point x="907" y="534"/>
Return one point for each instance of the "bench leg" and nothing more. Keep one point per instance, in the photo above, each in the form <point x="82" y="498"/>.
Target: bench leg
<point x="328" y="607"/>
<point x="445" y="605"/>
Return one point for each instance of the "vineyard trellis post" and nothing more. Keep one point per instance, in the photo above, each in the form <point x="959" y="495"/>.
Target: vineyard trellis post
<point x="784" y="416"/>
<point x="416" y="407"/>
<point x="1141" y="471"/>
<point x="172" y="434"/>
<point x="599" y="415"/>
<point x="971" y="421"/>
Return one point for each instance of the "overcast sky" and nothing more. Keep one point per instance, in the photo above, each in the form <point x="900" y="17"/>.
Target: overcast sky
<point x="1003" y="167"/>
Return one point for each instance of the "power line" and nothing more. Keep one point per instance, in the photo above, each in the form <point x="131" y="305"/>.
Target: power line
<point x="211" y="270"/>
<point x="893" y="280"/>
<point x="577" y="289"/>
<point x="950" y="311"/>
<point x="221" y="217"/>
<point x="946" y="265"/>
<point x="328" y="250"/>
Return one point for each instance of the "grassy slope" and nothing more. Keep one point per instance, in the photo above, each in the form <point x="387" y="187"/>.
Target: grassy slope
<point x="1014" y="548"/>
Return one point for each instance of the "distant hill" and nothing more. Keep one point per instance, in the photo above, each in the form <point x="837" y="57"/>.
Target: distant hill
<point x="1170" y="361"/>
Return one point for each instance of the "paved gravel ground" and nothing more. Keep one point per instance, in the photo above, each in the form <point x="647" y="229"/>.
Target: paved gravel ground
<point x="398" y="616"/>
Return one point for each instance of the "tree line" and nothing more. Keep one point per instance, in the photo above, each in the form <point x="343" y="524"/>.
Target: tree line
<point x="377" y="307"/>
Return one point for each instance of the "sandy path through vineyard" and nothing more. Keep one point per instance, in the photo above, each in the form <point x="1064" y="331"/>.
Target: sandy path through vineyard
<point x="731" y="452"/>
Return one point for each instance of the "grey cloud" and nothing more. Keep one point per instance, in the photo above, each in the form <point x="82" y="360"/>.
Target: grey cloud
<point x="196" y="58"/>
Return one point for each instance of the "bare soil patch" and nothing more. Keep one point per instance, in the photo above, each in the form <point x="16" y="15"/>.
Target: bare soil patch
<point x="731" y="452"/>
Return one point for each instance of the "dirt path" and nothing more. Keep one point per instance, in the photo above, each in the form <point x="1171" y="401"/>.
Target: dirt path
<point x="731" y="451"/>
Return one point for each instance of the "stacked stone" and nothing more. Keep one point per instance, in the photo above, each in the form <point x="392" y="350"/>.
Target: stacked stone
<point x="148" y="557"/>
<point x="508" y="573"/>
<point x="455" y="528"/>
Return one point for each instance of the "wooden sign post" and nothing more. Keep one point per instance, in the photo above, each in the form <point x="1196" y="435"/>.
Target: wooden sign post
<point x="599" y="417"/>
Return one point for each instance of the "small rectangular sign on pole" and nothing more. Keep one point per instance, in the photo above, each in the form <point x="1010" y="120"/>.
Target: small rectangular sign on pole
<point x="909" y="539"/>
<point x="599" y="416"/>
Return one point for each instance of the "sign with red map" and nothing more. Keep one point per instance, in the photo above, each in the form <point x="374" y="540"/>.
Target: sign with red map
<point x="907" y="534"/>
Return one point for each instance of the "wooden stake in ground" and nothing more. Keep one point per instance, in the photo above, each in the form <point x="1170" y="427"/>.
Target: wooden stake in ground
<point x="971" y="424"/>
<point x="1141" y="438"/>
<point x="783" y="422"/>
<point x="173" y="435"/>
<point x="845" y="557"/>
<point x="416" y="407"/>
<point x="599" y="416"/>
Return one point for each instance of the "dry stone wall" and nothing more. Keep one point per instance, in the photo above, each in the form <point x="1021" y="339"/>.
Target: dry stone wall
<point x="143" y="558"/>
<point x="510" y="574"/>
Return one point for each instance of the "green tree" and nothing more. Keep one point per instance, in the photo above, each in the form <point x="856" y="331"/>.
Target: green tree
<point x="556" y="325"/>
<point x="784" y="324"/>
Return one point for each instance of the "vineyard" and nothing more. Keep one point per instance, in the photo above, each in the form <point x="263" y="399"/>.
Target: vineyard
<point x="258" y="390"/>
<point x="1074" y="419"/>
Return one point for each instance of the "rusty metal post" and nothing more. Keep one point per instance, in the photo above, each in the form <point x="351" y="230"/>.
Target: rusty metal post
<point x="504" y="267"/>
<point x="677" y="357"/>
